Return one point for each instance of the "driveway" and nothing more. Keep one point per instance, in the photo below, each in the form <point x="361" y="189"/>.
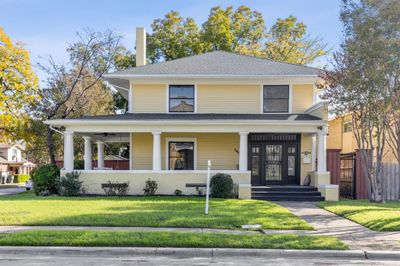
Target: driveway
<point x="9" y="191"/>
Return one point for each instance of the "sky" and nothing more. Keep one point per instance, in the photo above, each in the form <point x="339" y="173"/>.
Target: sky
<point x="46" y="27"/>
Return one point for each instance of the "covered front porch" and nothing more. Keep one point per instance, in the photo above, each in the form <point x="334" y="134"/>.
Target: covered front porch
<point x="176" y="155"/>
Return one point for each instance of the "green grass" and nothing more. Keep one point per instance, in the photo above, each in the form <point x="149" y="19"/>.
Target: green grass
<point x="376" y="216"/>
<point x="168" y="239"/>
<point x="28" y="209"/>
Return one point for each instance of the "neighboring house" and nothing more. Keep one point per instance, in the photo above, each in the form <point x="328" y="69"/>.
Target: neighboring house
<point x="341" y="137"/>
<point x="255" y="119"/>
<point x="12" y="161"/>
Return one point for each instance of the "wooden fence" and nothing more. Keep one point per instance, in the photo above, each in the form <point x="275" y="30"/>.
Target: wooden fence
<point x="391" y="173"/>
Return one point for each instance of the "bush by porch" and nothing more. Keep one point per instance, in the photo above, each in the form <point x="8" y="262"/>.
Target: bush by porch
<point x="161" y="211"/>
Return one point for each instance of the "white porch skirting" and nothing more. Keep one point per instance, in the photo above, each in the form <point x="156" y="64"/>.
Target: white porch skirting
<point x="167" y="181"/>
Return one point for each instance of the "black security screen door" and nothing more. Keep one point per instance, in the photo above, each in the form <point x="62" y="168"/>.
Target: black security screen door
<point x="273" y="163"/>
<point x="274" y="159"/>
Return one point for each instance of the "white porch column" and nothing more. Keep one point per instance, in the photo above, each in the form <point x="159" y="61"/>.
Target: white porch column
<point x="156" y="151"/>
<point x="313" y="152"/>
<point x="100" y="154"/>
<point x="69" y="151"/>
<point x="321" y="152"/>
<point x="243" y="151"/>
<point x="87" y="156"/>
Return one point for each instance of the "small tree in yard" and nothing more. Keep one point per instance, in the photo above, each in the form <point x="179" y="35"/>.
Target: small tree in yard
<point x="364" y="79"/>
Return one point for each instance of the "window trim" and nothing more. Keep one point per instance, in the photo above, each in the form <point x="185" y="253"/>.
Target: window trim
<point x="351" y="125"/>
<point x="194" y="98"/>
<point x="262" y="98"/>
<point x="168" y="140"/>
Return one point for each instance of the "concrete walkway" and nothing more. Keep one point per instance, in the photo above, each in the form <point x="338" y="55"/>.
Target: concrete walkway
<point x="354" y="235"/>
<point x="8" y="191"/>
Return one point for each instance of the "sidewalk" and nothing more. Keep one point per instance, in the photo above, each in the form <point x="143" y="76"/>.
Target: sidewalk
<point x="8" y="189"/>
<point x="354" y="235"/>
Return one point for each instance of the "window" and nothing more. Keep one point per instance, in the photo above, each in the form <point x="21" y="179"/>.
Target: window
<point x="276" y="98"/>
<point x="347" y="127"/>
<point x="181" y="155"/>
<point x="181" y="98"/>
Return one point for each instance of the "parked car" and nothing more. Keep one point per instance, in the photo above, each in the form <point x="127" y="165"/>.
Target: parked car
<point x="29" y="184"/>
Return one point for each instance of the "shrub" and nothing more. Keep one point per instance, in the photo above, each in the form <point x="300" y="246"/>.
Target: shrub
<point x="178" y="192"/>
<point x="150" y="187"/>
<point x="115" y="188"/>
<point x="46" y="178"/>
<point x="21" y="178"/>
<point x="221" y="186"/>
<point x="79" y="164"/>
<point x="70" y="185"/>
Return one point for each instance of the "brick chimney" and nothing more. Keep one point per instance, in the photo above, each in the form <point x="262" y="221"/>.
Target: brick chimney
<point x="140" y="46"/>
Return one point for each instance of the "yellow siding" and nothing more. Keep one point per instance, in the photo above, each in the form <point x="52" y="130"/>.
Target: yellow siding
<point x="149" y="98"/>
<point x="302" y="97"/>
<point x="142" y="151"/>
<point x="217" y="147"/>
<point x="334" y="139"/>
<point x="228" y="98"/>
<point x="306" y="146"/>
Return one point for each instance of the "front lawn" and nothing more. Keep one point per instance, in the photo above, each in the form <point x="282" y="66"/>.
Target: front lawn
<point x="376" y="216"/>
<point x="168" y="239"/>
<point x="28" y="209"/>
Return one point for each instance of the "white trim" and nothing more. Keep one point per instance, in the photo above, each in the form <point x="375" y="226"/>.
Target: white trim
<point x="71" y="122"/>
<point x="314" y="94"/>
<point x="167" y="99"/>
<point x="162" y="171"/>
<point x="194" y="140"/>
<point x="290" y="98"/>
<point x="194" y="100"/>
<point x="202" y="76"/>
<point x="130" y="100"/>
<point x="316" y="106"/>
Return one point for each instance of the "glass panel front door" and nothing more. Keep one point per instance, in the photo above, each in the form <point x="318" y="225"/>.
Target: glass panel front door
<point x="273" y="163"/>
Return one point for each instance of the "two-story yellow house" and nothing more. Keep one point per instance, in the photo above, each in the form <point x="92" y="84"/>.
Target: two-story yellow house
<point x="255" y="119"/>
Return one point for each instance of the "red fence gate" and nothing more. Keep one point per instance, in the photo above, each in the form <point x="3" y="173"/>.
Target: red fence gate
<point x="346" y="171"/>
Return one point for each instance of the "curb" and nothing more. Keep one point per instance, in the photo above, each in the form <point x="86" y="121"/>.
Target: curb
<point x="191" y="252"/>
<point x="383" y="255"/>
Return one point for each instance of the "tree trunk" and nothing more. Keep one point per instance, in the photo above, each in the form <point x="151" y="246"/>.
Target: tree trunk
<point x="50" y="145"/>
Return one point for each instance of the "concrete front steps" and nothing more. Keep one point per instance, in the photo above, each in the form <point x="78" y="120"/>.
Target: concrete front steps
<point x="286" y="193"/>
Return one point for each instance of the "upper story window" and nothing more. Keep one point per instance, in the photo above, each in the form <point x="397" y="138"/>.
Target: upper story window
<point x="347" y="127"/>
<point x="276" y="98"/>
<point x="181" y="98"/>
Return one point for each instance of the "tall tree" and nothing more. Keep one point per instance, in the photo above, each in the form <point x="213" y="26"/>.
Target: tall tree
<point x="18" y="87"/>
<point x="73" y="89"/>
<point x="240" y="30"/>
<point x="365" y="70"/>
<point x="289" y="42"/>
<point x="173" y="37"/>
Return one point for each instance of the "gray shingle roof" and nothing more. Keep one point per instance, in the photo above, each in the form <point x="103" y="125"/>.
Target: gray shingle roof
<point x="191" y="116"/>
<point x="220" y="63"/>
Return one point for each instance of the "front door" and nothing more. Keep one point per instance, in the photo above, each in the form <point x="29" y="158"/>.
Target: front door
<point x="274" y="162"/>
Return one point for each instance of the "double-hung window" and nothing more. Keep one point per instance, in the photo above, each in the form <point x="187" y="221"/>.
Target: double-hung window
<point x="181" y="155"/>
<point x="181" y="98"/>
<point x="276" y="98"/>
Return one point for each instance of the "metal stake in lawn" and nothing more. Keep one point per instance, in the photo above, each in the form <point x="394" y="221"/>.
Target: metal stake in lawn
<point x="208" y="186"/>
